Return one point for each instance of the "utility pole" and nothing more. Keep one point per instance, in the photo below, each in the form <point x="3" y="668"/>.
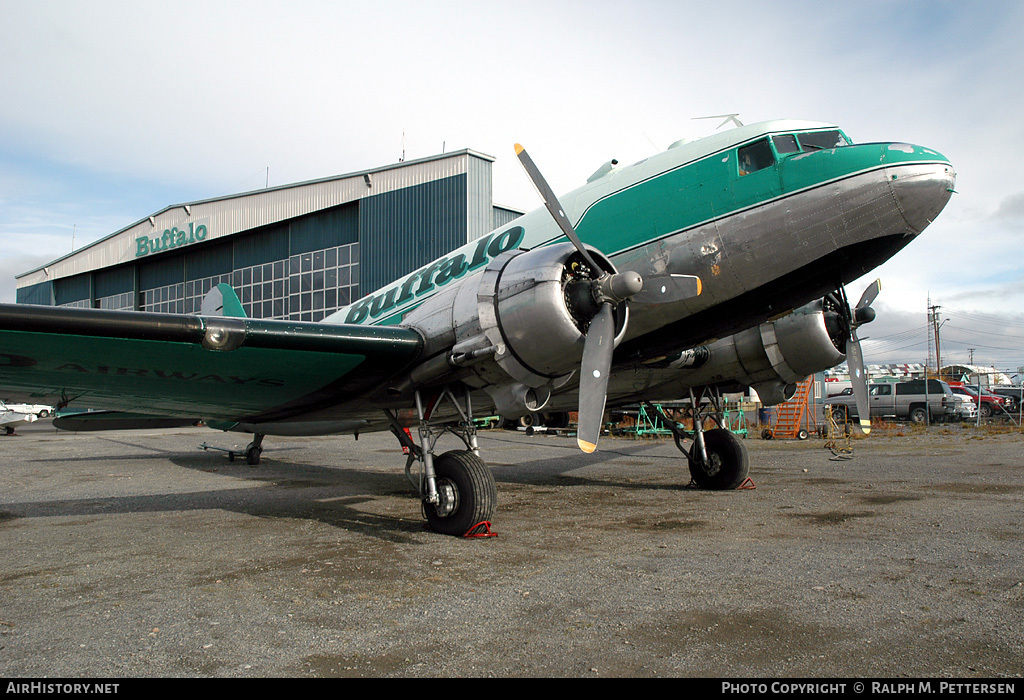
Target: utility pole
<point x="928" y="336"/>
<point x="934" y="316"/>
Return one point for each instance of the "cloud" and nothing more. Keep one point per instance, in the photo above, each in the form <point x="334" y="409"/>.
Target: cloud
<point x="1011" y="207"/>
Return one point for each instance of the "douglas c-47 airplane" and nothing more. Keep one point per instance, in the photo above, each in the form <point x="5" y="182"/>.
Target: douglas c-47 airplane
<point x="718" y="264"/>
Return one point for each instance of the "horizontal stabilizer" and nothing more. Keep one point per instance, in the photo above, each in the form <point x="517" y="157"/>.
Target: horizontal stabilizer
<point x="222" y="301"/>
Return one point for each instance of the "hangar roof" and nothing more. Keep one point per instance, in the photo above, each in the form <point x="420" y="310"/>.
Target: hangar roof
<point x="230" y="214"/>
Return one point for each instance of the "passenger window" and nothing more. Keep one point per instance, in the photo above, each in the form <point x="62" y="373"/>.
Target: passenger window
<point x="785" y="143"/>
<point x="755" y="156"/>
<point x="881" y="390"/>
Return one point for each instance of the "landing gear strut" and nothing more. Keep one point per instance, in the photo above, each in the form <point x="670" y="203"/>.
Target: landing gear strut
<point x="254" y="449"/>
<point x="457" y="487"/>
<point x="717" y="459"/>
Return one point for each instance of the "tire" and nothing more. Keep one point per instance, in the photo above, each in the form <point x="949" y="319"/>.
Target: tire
<point x="44" y="414"/>
<point x="556" y="420"/>
<point x="840" y="414"/>
<point x="986" y="410"/>
<point x="802" y="434"/>
<point x="469" y="494"/>
<point x="728" y="462"/>
<point x="918" y="414"/>
<point x="252" y="455"/>
<point x="528" y="421"/>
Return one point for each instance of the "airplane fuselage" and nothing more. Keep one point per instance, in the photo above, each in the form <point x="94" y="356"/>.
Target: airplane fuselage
<point x="764" y="238"/>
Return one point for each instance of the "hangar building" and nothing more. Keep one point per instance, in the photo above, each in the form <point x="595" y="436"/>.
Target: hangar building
<point x="295" y="252"/>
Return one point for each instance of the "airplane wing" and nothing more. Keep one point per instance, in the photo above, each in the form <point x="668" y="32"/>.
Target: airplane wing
<point x="213" y="368"/>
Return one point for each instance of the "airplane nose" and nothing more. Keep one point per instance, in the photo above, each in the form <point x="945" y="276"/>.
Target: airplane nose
<point x="921" y="191"/>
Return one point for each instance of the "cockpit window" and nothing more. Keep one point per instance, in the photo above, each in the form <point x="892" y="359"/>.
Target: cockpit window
<point x="785" y="143"/>
<point x="818" y="140"/>
<point x="755" y="156"/>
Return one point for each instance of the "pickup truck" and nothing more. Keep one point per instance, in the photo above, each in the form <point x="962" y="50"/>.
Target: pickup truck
<point x="1013" y="393"/>
<point x="989" y="405"/>
<point x="902" y="400"/>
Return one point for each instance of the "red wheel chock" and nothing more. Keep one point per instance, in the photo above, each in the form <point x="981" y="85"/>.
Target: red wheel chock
<point x="481" y="529"/>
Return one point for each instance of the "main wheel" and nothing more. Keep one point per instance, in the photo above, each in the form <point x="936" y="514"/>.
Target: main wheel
<point x="467" y="491"/>
<point x="727" y="466"/>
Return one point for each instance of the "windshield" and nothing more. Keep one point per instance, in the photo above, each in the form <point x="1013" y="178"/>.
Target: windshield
<point x="817" y="140"/>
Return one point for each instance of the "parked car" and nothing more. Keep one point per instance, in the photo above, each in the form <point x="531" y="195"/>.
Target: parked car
<point x="36" y="409"/>
<point x="966" y="409"/>
<point x="902" y="400"/>
<point x="988" y="404"/>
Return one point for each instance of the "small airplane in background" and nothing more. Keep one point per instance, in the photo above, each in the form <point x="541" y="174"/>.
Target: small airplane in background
<point x="718" y="264"/>
<point x="14" y="415"/>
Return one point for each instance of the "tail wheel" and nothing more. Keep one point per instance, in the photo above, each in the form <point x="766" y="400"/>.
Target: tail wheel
<point x="468" y="494"/>
<point x="528" y="421"/>
<point x="727" y="463"/>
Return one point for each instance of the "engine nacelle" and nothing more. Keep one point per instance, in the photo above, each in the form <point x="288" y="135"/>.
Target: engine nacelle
<point x="770" y="358"/>
<point x="516" y="330"/>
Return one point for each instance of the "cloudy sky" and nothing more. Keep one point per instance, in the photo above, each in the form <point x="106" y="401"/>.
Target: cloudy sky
<point x="114" y="110"/>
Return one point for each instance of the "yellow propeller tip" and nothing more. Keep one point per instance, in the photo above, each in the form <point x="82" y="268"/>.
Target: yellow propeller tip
<point x="519" y="148"/>
<point x="865" y="426"/>
<point x="587" y="447"/>
<point x="700" y="286"/>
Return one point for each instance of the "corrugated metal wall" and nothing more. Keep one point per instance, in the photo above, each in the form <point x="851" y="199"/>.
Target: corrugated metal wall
<point x="41" y="293"/>
<point x="504" y="215"/>
<point x="403" y="230"/>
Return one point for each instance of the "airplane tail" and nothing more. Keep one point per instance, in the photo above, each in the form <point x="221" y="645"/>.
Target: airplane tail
<point x="222" y="301"/>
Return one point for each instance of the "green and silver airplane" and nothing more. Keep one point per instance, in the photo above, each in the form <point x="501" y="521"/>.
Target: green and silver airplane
<point x="718" y="264"/>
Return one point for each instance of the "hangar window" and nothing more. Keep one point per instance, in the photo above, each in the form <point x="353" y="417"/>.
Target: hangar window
<point x="755" y="156"/>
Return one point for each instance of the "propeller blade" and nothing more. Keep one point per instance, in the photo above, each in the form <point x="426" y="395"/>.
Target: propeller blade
<point x="662" y="289"/>
<point x="597" y="364"/>
<point x="859" y="382"/>
<point x="869" y="294"/>
<point x="553" y="205"/>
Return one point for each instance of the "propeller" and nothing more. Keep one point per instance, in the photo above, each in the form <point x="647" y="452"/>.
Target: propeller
<point x="849" y="320"/>
<point x="607" y="290"/>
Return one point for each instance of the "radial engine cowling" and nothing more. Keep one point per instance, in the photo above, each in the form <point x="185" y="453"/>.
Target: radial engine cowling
<point x="770" y="358"/>
<point x="516" y="330"/>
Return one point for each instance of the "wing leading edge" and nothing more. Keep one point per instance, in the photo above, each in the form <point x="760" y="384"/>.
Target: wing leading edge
<point x="194" y="366"/>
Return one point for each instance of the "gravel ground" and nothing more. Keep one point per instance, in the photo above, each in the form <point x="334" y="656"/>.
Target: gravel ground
<point x="135" y="554"/>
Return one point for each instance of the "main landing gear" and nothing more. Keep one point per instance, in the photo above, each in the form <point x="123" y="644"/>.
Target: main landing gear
<point x="457" y="488"/>
<point x="717" y="459"/>
<point x="254" y="449"/>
